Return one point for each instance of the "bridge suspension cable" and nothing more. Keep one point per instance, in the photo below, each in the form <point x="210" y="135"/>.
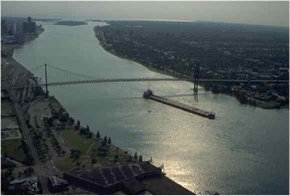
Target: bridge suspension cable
<point x="36" y="67"/>
<point x="70" y="72"/>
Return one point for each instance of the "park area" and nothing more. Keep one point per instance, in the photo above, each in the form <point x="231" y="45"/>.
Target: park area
<point x="6" y="109"/>
<point x="13" y="149"/>
<point x="88" y="152"/>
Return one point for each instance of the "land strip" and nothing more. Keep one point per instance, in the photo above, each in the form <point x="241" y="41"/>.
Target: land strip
<point x="224" y="52"/>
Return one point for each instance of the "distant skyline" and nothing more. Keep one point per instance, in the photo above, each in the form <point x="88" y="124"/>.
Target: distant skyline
<point x="248" y="12"/>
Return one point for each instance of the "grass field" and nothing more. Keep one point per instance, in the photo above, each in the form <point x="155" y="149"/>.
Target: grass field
<point x="89" y="151"/>
<point x="75" y="141"/>
<point x="6" y="108"/>
<point x="6" y="105"/>
<point x="13" y="149"/>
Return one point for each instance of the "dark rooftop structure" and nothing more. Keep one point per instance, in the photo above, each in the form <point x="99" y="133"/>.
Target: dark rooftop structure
<point x="112" y="179"/>
<point x="57" y="184"/>
<point x="133" y="187"/>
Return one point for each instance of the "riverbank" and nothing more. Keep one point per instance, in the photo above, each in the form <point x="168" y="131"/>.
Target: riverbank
<point x="198" y="154"/>
<point x="59" y="132"/>
<point x="7" y="49"/>
<point x="245" y="93"/>
<point x="164" y="72"/>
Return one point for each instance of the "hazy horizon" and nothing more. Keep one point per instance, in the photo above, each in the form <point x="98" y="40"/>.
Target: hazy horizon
<point x="259" y="13"/>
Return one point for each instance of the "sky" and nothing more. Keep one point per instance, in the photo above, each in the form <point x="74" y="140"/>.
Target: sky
<point x="248" y="12"/>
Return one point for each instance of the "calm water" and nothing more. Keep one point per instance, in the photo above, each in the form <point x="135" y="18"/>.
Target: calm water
<point x="243" y="151"/>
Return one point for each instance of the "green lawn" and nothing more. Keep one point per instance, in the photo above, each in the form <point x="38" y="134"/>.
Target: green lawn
<point x="75" y="141"/>
<point x="65" y="163"/>
<point x="13" y="149"/>
<point x="6" y="107"/>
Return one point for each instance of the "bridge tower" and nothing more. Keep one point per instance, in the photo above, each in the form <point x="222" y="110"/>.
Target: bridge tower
<point x="46" y="90"/>
<point x="195" y="77"/>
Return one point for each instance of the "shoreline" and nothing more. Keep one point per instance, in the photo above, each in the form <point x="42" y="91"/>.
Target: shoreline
<point x="167" y="73"/>
<point x="262" y="104"/>
<point x="164" y="178"/>
<point x="160" y="182"/>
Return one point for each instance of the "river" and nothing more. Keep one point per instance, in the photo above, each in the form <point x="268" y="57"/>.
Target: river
<point x="245" y="150"/>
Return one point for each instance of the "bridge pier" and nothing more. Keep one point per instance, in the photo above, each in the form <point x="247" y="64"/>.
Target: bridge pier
<point x="46" y="90"/>
<point x="195" y="78"/>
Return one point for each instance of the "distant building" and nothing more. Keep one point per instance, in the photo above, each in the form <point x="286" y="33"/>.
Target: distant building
<point x="8" y="39"/>
<point x="29" y="26"/>
<point x="4" y="28"/>
<point x="14" y="29"/>
<point x="19" y="38"/>
<point x="107" y="180"/>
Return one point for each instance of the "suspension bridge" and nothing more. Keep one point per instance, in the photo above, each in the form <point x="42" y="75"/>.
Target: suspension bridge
<point x="66" y="77"/>
<point x="58" y="76"/>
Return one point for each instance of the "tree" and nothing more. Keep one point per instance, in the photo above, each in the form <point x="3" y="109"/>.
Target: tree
<point x="98" y="135"/>
<point x="71" y="120"/>
<point x="109" y="140"/>
<point x="88" y="128"/>
<point x="116" y="158"/>
<point x="61" y="110"/>
<point x="78" y="123"/>
<point x="140" y="158"/>
<point x="64" y="117"/>
<point x="135" y="156"/>
<point x="105" y="139"/>
<point x="83" y="131"/>
<point x="50" y="121"/>
<point x="104" y="143"/>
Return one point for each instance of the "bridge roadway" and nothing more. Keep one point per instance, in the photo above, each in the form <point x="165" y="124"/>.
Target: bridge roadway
<point x="151" y="80"/>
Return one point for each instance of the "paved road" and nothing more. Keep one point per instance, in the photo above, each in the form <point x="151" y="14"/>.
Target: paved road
<point x="15" y="74"/>
<point x="27" y="136"/>
<point x="17" y="163"/>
